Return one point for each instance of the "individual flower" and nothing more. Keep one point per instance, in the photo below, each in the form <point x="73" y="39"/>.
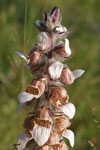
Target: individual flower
<point x="62" y="123"/>
<point x="34" y="90"/>
<point x="59" y="96"/>
<point x="68" y="76"/>
<point x="63" y="49"/>
<point x="42" y="126"/>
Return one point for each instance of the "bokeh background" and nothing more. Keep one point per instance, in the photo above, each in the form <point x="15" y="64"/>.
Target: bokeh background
<point x="82" y="18"/>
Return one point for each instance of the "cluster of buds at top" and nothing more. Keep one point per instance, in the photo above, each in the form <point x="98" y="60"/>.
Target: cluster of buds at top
<point x="46" y="126"/>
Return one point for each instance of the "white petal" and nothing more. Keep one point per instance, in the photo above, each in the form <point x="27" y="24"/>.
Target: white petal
<point x="21" y="55"/>
<point x="41" y="134"/>
<point x="61" y="29"/>
<point x="67" y="48"/>
<point x="25" y="97"/>
<point x="20" y="106"/>
<point x="22" y="140"/>
<point x="78" y="73"/>
<point x="55" y="70"/>
<point x="70" y="136"/>
<point x="68" y="109"/>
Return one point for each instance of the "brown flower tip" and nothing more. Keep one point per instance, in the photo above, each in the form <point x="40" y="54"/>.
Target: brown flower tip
<point x="43" y="123"/>
<point x="61" y="51"/>
<point x="43" y="114"/>
<point x="59" y="96"/>
<point x="54" y="138"/>
<point x="61" y="124"/>
<point x="34" y="57"/>
<point x="37" y="87"/>
<point x="66" y="76"/>
<point x="55" y="15"/>
<point x="29" y="123"/>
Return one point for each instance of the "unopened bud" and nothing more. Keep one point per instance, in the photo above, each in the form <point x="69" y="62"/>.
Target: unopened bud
<point x="61" y="124"/>
<point x="34" y="57"/>
<point x="66" y="76"/>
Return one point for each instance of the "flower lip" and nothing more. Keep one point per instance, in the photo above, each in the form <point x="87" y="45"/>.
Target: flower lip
<point x="41" y="134"/>
<point x="55" y="70"/>
<point x="70" y="136"/>
<point x="68" y="109"/>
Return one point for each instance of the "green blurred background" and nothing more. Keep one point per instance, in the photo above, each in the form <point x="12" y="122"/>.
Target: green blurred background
<point x="82" y="18"/>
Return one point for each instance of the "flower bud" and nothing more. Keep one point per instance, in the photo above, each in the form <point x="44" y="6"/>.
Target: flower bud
<point x="61" y="124"/>
<point x="66" y="76"/>
<point x="42" y="26"/>
<point x="34" y="57"/>
<point x="29" y="123"/>
<point x="59" y="96"/>
<point x="63" y="50"/>
<point x="55" y="15"/>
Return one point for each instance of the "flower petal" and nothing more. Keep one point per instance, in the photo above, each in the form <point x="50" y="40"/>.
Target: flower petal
<point x="68" y="109"/>
<point x="22" y="140"/>
<point x="67" y="49"/>
<point x="78" y="73"/>
<point x="20" y="106"/>
<point x="55" y="70"/>
<point x="70" y="136"/>
<point x="25" y="97"/>
<point x="21" y="55"/>
<point x="41" y="134"/>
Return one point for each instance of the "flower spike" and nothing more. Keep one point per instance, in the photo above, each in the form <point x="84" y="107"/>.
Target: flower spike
<point x="49" y="121"/>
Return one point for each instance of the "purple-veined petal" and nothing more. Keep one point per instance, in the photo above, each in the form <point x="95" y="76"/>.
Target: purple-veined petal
<point x="67" y="48"/>
<point x="20" y="106"/>
<point x="21" y="55"/>
<point x="78" y="73"/>
<point x="41" y="134"/>
<point x="55" y="70"/>
<point x="25" y="97"/>
<point x="70" y="136"/>
<point x="68" y="109"/>
<point x="22" y="140"/>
